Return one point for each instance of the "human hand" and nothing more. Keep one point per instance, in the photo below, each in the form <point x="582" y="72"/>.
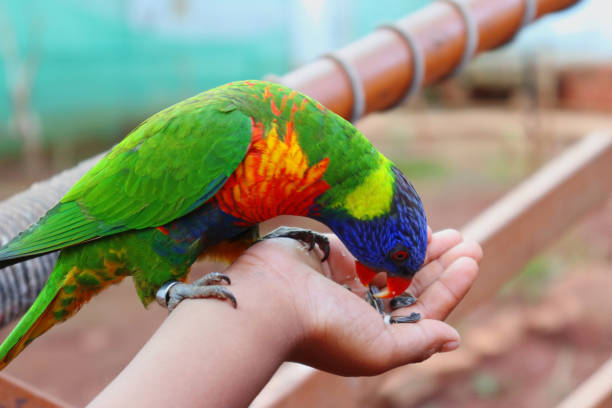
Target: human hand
<point x="336" y="330"/>
<point x="288" y="310"/>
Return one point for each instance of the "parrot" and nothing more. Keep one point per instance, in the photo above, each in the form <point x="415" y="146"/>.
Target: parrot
<point x="195" y="180"/>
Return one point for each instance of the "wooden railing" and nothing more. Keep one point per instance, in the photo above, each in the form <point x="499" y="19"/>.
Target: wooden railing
<point x="511" y="231"/>
<point x="384" y="64"/>
<point x="14" y="393"/>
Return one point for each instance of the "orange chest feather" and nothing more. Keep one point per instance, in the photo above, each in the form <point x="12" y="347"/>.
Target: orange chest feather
<point x="274" y="178"/>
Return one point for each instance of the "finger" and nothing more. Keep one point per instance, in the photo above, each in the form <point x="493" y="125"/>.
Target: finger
<point x="443" y="295"/>
<point x="396" y="345"/>
<point x="438" y="243"/>
<point x="469" y="248"/>
<point x="417" y="342"/>
<point x="432" y="271"/>
<point x="340" y="266"/>
<point x="441" y="242"/>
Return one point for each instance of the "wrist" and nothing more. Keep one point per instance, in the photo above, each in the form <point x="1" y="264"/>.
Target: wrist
<point x="206" y="342"/>
<point x="266" y="299"/>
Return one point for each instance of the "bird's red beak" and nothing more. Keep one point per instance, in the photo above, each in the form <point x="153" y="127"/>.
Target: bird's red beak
<point x="395" y="285"/>
<point x="364" y="273"/>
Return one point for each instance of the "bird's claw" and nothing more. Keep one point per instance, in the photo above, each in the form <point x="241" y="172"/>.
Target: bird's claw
<point x="402" y="301"/>
<point x="411" y="318"/>
<point x="212" y="277"/>
<point x="395" y="303"/>
<point x="309" y="237"/>
<point x="171" y="293"/>
<point x="375" y="302"/>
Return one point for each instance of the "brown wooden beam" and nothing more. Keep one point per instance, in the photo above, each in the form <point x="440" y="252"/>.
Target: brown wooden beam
<point x="14" y="393"/>
<point x="383" y="61"/>
<point x="536" y="213"/>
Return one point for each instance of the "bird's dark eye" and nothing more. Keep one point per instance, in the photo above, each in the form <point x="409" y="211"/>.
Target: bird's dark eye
<point x="399" y="255"/>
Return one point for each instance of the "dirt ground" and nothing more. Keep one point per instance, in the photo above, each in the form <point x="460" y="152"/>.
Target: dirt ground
<point x="460" y="162"/>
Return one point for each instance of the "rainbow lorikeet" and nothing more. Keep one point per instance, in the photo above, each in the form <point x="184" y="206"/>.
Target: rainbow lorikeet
<point x="196" y="179"/>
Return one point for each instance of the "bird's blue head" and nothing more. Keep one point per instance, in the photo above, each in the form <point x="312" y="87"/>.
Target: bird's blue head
<point x="393" y="241"/>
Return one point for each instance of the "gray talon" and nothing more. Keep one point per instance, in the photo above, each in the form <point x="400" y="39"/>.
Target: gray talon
<point x="396" y="303"/>
<point x="412" y="318"/>
<point x="171" y="293"/>
<point x="402" y="301"/>
<point x="188" y="291"/>
<point x="311" y="238"/>
<point x="213" y="277"/>
<point x="375" y="302"/>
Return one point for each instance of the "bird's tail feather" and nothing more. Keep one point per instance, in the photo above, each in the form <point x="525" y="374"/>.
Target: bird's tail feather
<point x="62" y="296"/>
<point x="35" y="322"/>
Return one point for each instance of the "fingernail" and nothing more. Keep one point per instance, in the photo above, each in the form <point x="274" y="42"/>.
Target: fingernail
<point x="429" y="353"/>
<point x="450" y="346"/>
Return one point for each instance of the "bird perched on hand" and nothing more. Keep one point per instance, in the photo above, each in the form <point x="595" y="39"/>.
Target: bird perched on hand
<point x="195" y="180"/>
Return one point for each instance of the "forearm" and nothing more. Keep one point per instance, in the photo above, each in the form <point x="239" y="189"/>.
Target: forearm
<point x="207" y="353"/>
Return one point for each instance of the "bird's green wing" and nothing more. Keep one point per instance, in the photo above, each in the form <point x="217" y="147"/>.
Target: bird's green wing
<point x="170" y="164"/>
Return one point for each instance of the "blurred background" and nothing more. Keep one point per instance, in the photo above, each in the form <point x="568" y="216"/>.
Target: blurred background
<point x="76" y="76"/>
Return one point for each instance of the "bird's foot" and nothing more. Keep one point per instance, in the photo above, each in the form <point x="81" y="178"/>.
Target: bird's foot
<point x="171" y="293"/>
<point x="411" y="318"/>
<point x="395" y="303"/>
<point x="402" y="301"/>
<point x="308" y="237"/>
<point x="375" y="302"/>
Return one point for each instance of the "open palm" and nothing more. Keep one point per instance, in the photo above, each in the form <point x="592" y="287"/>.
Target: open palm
<point x="343" y="334"/>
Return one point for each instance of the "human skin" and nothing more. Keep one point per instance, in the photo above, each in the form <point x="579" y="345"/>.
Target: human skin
<point x="207" y="353"/>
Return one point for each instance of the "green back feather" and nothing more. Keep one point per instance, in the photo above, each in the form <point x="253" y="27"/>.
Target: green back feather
<point x="178" y="158"/>
<point x="172" y="162"/>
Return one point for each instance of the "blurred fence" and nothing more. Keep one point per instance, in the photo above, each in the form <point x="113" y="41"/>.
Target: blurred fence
<point x="511" y="231"/>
